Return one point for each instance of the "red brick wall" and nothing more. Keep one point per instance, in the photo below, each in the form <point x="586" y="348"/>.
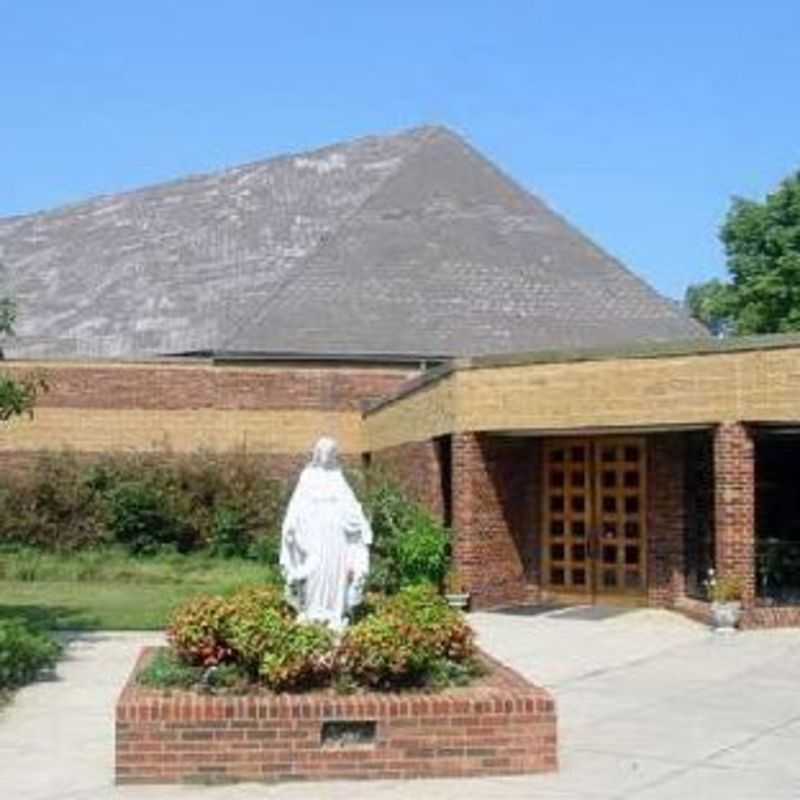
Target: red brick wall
<point x="666" y="518"/>
<point x="734" y="511"/>
<point x="495" y="516"/>
<point x="497" y="485"/>
<point x="418" y="468"/>
<point x="292" y="400"/>
<point x="503" y="725"/>
<point x="170" y="386"/>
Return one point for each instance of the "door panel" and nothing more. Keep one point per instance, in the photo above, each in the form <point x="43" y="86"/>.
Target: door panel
<point x="567" y="516"/>
<point x="620" y="514"/>
<point x="594" y="542"/>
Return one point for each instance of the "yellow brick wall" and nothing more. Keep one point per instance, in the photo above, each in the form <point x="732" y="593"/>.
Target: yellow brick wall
<point x="751" y="386"/>
<point x="96" y="430"/>
<point x="428" y="412"/>
<point x="184" y="406"/>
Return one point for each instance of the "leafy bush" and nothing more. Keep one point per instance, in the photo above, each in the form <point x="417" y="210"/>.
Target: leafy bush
<point x="302" y="656"/>
<point x="140" y="517"/>
<point x="264" y="638"/>
<point x="51" y="506"/>
<point x="167" y="671"/>
<point x="266" y="550"/>
<point x="410" y="639"/>
<point x="228" y="501"/>
<point x="405" y="640"/>
<point x="410" y="546"/>
<point x="255" y="624"/>
<point x="24" y="653"/>
<point x="422" y="553"/>
<point x="198" y="631"/>
<point x="229" y="535"/>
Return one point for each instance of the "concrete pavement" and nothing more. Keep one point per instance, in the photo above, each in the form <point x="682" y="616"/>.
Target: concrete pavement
<point x="651" y="706"/>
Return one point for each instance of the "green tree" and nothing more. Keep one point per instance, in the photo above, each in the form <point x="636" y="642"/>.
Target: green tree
<point x="17" y="395"/>
<point x="762" y="245"/>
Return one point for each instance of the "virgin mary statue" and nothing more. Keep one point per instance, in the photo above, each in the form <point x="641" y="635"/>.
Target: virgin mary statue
<point x="324" y="542"/>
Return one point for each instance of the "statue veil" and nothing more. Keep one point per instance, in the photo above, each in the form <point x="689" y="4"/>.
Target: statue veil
<point x="325" y="541"/>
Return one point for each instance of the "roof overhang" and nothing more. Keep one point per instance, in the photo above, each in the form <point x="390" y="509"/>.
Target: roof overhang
<point x="687" y="386"/>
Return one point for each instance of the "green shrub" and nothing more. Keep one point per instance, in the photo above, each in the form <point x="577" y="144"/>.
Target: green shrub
<point x="62" y="503"/>
<point x="256" y="624"/>
<point x="410" y="546"/>
<point x="302" y="656"/>
<point x="410" y="639"/>
<point x="210" y="630"/>
<point x="198" y="631"/>
<point x="254" y="629"/>
<point x="140" y="517"/>
<point x="405" y="640"/>
<point x="266" y="550"/>
<point x="229" y="535"/>
<point x="52" y="506"/>
<point x="24" y="653"/>
<point x="422" y="553"/>
<point x="167" y="671"/>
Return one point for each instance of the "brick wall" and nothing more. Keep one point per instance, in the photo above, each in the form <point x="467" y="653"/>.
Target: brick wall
<point x="495" y="516"/>
<point x="503" y="725"/>
<point x="734" y="509"/>
<point x="417" y="467"/>
<point x="184" y="407"/>
<point x="666" y="518"/>
<point x="497" y="486"/>
<point x="173" y="386"/>
<point x="757" y="385"/>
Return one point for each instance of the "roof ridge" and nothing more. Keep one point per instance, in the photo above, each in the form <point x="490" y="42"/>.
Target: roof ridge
<point x="425" y="134"/>
<point x="70" y="206"/>
<point x="578" y="232"/>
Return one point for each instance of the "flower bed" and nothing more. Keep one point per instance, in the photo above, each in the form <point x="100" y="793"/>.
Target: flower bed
<point x="499" y="725"/>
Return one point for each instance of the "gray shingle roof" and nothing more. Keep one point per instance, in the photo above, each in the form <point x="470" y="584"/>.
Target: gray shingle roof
<point x="405" y="244"/>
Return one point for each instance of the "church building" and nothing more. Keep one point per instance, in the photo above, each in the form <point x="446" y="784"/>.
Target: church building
<point x="586" y="440"/>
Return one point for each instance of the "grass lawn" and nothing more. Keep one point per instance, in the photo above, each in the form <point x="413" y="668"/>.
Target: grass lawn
<point x="112" y="591"/>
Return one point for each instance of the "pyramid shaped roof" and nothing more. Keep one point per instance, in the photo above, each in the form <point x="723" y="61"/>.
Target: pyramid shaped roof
<point x="403" y="245"/>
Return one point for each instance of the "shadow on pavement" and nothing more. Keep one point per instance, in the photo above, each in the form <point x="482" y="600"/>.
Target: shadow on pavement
<point x="577" y="613"/>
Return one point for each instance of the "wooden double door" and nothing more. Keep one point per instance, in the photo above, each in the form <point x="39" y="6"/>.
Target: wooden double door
<point x="595" y="520"/>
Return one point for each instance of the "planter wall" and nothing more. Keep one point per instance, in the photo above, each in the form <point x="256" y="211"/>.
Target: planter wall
<point x="502" y="725"/>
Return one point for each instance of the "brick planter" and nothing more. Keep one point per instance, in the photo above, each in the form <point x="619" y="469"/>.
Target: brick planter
<point x="502" y="725"/>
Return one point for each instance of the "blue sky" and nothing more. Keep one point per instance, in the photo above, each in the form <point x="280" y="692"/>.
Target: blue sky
<point x="636" y="120"/>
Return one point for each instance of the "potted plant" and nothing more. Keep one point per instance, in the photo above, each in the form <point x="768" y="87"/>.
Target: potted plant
<point x="455" y="591"/>
<point x="726" y="601"/>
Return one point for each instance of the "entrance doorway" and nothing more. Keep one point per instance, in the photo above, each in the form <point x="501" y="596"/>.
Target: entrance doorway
<point x="595" y="538"/>
<point x="777" y="517"/>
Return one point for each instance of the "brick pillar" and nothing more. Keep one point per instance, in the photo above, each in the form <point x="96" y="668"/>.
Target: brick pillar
<point x="734" y="505"/>
<point x="666" y="515"/>
<point x="487" y="509"/>
<point x="466" y="545"/>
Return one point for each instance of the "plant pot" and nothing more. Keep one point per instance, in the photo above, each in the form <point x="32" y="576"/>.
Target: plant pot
<point x="725" y="616"/>
<point x="459" y="601"/>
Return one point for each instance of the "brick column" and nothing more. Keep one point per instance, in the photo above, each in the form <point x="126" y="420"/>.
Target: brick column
<point x="465" y="461"/>
<point x="666" y="515"/>
<point x="734" y="505"/>
<point x="488" y="508"/>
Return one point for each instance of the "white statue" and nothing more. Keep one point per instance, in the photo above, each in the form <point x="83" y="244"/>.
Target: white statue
<point x="324" y="542"/>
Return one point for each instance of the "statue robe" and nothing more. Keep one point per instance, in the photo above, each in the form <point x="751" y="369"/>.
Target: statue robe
<point x="324" y="547"/>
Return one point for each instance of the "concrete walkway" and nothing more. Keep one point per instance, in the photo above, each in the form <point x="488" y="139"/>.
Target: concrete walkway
<point x="652" y="706"/>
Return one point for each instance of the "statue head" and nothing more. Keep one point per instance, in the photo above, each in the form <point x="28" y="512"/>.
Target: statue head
<point x="325" y="454"/>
